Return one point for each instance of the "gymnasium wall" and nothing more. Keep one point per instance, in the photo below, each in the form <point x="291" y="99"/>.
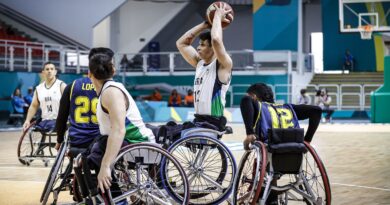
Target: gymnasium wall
<point x="135" y="23"/>
<point x="23" y="80"/>
<point x="238" y="36"/>
<point x="9" y="81"/>
<point x="335" y="43"/>
<point x="275" y="27"/>
<point x="73" y="18"/>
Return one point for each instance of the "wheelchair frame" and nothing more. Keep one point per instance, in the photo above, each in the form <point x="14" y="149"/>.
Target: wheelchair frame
<point x="195" y="140"/>
<point x="61" y="172"/>
<point x="151" y="187"/>
<point x="263" y="180"/>
<point x="37" y="147"/>
<point x="65" y="175"/>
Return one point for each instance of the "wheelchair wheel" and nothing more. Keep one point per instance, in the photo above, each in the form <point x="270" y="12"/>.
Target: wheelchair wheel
<point x="250" y="176"/>
<point x="310" y="186"/>
<point x="139" y="175"/>
<point x="317" y="179"/>
<point x="58" y="171"/>
<point x="209" y="166"/>
<point x="26" y="146"/>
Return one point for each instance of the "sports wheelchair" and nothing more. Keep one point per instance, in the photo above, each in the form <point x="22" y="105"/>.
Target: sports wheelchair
<point x="208" y="164"/>
<point x="36" y="144"/>
<point x="285" y="170"/>
<point x="61" y="177"/>
<point x="138" y="178"/>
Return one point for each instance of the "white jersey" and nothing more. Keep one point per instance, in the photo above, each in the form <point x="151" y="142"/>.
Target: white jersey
<point x="210" y="92"/>
<point x="49" y="99"/>
<point x="136" y="131"/>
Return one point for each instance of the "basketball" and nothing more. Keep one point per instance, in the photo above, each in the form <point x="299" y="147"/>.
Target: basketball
<point x="211" y="11"/>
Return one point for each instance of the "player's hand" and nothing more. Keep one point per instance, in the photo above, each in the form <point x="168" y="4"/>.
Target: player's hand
<point x="248" y="140"/>
<point x="104" y="178"/>
<point x="206" y="25"/>
<point x="221" y="11"/>
<point x="26" y="124"/>
<point x="58" y="145"/>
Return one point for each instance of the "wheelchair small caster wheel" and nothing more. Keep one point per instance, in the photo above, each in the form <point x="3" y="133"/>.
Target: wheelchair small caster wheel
<point x="46" y="164"/>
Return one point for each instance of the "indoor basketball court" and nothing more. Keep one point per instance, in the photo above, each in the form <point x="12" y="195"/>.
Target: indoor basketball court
<point x="301" y="49"/>
<point x="356" y="157"/>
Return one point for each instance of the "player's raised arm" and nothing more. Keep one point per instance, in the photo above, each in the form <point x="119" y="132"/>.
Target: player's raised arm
<point x="223" y="57"/>
<point x="184" y="43"/>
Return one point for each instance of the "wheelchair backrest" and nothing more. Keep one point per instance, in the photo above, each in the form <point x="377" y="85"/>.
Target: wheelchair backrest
<point x="287" y="148"/>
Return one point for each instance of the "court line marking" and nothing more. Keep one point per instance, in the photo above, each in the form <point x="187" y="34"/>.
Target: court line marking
<point x="366" y="187"/>
<point x="13" y="180"/>
<point x="21" y="167"/>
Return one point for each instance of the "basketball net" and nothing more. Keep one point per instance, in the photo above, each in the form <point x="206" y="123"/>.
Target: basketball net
<point x="365" y="32"/>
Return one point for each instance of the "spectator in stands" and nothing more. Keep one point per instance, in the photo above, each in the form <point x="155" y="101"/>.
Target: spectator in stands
<point x="47" y="97"/>
<point x="124" y="63"/>
<point x="174" y="99"/>
<point x="17" y="102"/>
<point x="155" y="96"/>
<point x="303" y="98"/>
<point x="348" y="61"/>
<point x="189" y="99"/>
<point x="28" y="98"/>
<point x="323" y="100"/>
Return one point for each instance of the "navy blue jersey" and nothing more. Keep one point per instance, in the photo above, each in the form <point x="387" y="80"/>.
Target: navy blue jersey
<point x="274" y="116"/>
<point x="82" y="112"/>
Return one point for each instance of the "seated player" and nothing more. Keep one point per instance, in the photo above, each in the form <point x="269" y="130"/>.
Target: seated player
<point x="260" y="113"/>
<point x="120" y="121"/>
<point x="79" y="103"/>
<point x="47" y="97"/>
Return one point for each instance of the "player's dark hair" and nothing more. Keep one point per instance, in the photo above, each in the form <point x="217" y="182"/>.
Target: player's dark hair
<point x="303" y="91"/>
<point x="101" y="66"/>
<point x="47" y="63"/>
<point x="104" y="50"/>
<point x="262" y="92"/>
<point x="206" y="36"/>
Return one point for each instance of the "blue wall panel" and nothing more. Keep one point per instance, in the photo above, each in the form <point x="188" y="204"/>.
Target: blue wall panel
<point x="335" y="43"/>
<point x="276" y="27"/>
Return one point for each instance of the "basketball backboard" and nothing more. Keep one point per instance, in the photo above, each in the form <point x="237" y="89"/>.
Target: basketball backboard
<point x="360" y="15"/>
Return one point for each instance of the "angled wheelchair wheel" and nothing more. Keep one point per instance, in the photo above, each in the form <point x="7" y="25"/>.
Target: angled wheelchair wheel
<point x="57" y="176"/>
<point x="250" y="176"/>
<point x="144" y="173"/>
<point x="26" y="147"/>
<point x="310" y="186"/>
<point x="316" y="180"/>
<point x="209" y="166"/>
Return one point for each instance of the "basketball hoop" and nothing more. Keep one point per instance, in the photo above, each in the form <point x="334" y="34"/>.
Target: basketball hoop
<point x="365" y="32"/>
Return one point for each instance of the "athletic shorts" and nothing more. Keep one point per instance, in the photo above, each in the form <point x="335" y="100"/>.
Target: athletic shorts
<point x="96" y="152"/>
<point x="46" y="125"/>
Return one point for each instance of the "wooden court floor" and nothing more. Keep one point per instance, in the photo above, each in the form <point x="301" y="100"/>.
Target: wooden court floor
<point x="357" y="158"/>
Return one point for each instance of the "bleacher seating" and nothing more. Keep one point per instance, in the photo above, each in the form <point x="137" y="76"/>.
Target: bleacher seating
<point x="18" y="40"/>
